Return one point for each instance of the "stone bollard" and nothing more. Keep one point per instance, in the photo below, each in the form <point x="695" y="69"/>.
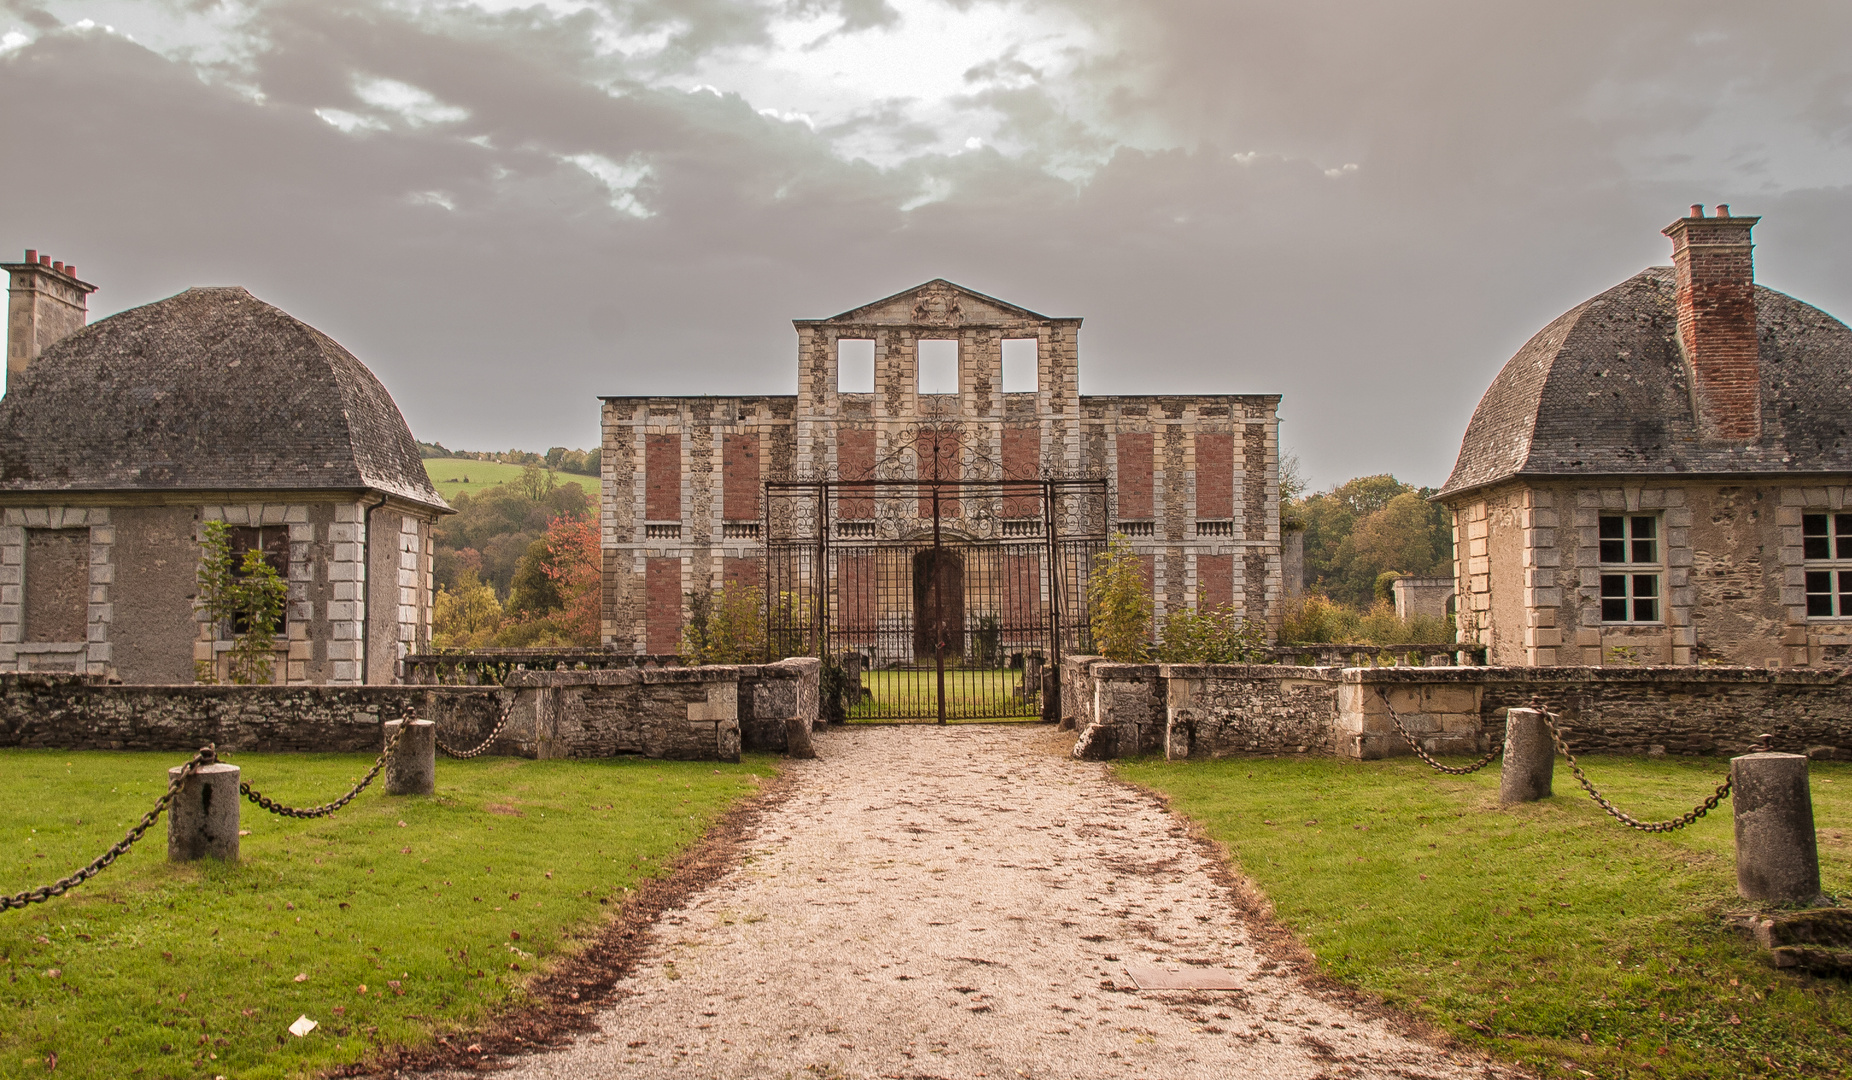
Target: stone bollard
<point x="412" y="767"/>
<point x="203" y="818"/>
<point x="1777" y="858"/>
<point x="1530" y="758"/>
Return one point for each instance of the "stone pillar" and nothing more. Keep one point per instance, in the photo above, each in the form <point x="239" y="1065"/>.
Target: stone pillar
<point x="202" y="820"/>
<point x="1530" y="758"/>
<point x="411" y="768"/>
<point x="1776" y="855"/>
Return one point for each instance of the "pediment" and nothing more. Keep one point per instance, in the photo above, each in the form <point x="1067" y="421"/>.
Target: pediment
<point x="938" y="304"/>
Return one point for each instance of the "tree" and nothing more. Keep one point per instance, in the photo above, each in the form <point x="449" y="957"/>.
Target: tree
<point x="575" y="565"/>
<point x="249" y="596"/>
<point x="1367" y="526"/>
<point x="467" y="615"/>
<point x="1121" y="603"/>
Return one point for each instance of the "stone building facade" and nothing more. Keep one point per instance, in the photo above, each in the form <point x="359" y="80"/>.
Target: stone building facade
<point x="1192" y="479"/>
<point x="1663" y="475"/>
<point x="120" y="440"/>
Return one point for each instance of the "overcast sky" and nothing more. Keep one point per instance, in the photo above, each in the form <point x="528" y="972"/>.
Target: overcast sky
<point x="506" y="208"/>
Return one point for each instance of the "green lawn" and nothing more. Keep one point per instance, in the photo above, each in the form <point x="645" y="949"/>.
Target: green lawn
<point x="1574" y="943"/>
<point x="441" y="907"/>
<point x="970" y="694"/>
<point x="449" y="475"/>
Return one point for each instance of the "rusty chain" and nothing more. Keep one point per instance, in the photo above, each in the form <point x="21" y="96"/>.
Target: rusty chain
<point x="1668" y="825"/>
<point x="1451" y="770"/>
<point x="324" y="809"/>
<point x="205" y="756"/>
<point x="483" y="747"/>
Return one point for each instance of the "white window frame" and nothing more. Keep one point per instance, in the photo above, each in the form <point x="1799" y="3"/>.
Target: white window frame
<point x="1826" y="560"/>
<point x="1632" y="569"/>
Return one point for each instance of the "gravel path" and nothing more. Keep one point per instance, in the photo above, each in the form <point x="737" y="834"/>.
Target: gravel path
<point x="963" y="902"/>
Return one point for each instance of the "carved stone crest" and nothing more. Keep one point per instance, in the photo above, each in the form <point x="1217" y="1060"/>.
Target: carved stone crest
<point x="937" y="305"/>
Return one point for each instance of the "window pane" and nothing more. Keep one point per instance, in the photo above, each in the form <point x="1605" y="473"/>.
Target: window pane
<point x="1646" y="551"/>
<point x="1019" y="366"/>
<point x="1819" y="581"/>
<point x="1815" y="547"/>
<point x="938" y="366"/>
<point x="1814" y="524"/>
<point x="1614" y="610"/>
<point x="1614" y="551"/>
<point x="1820" y="605"/>
<point x="1644" y="528"/>
<point x="855" y="366"/>
<point x="1842" y="528"/>
<point x="1613" y="528"/>
<point x="1646" y="611"/>
<point x="1646" y="584"/>
<point x="1613" y="585"/>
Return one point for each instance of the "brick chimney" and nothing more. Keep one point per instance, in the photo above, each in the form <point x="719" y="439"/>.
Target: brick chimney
<point x="1717" y="322"/>
<point x="45" y="302"/>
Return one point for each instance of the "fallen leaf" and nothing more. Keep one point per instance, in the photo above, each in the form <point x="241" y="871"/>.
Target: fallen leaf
<point x="51" y="1062"/>
<point x="514" y="935"/>
<point x="304" y="977"/>
<point x="302" y="1026"/>
<point x="473" y="1048"/>
<point x="362" y="988"/>
<point x="52" y="973"/>
<point x="405" y="851"/>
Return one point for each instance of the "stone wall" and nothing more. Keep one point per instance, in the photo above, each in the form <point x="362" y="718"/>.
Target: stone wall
<point x="1217" y="710"/>
<point x="703" y="713"/>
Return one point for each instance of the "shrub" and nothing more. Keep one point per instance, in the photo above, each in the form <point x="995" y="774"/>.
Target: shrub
<point x="1121" y="604"/>
<point x="250" y="596"/>
<point x="1214" y="636"/>
<point x="1317" y="619"/>
<point x="725" y="626"/>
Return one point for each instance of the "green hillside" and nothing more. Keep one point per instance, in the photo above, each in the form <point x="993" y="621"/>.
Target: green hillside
<point x="453" y="475"/>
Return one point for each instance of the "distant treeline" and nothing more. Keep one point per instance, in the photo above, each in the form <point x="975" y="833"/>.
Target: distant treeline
<point x="582" y="462"/>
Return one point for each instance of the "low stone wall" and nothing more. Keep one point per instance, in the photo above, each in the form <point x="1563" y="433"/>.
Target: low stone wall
<point x="703" y="713"/>
<point x="71" y="712"/>
<point x="1218" y="710"/>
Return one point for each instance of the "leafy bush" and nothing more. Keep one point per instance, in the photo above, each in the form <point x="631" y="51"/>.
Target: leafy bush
<point x="1218" y="635"/>
<point x="725" y="626"/>
<point x="1120" y="600"/>
<point x="1317" y="619"/>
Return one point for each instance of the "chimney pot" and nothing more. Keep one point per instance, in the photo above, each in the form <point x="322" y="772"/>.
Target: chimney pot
<point x="1723" y="209"/>
<point x="1697" y="210"/>
<point x="44" y="260"/>
<point x="71" y="269"/>
<point x="32" y="255"/>
<point x="58" y="266"/>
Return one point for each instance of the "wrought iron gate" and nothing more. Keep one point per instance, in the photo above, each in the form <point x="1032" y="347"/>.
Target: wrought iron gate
<point x="951" y="597"/>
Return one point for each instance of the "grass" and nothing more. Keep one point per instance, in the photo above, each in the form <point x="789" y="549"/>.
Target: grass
<point x="449" y="474"/>
<point x="440" y="907"/>
<point x="1577" y="944"/>
<point x="970" y="694"/>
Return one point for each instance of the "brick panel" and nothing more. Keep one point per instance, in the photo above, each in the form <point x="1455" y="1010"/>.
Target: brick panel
<point x="739" y="478"/>
<point x="662" y="477"/>
<point x="855" y="460"/>
<point x="1215" y="581"/>
<point x="945" y="444"/>
<point x="662" y="590"/>
<point x="742" y="571"/>
<point x="1022" y="449"/>
<point x="1135" y="475"/>
<point x="1215" y="475"/>
<point x="858" y="607"/>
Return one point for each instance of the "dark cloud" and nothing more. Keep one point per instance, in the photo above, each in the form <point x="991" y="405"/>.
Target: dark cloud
<point x="1364" y="207"/>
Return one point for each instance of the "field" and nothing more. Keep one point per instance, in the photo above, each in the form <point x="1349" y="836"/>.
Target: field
<point x="970" y="694"/>
<point x="395" y="920"/>
<point x="449" y="474"/>
<point x="1546" y="932"/>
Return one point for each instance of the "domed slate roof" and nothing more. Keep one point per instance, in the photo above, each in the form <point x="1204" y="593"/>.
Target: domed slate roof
<point x="1604" y="391"/>
<point x="214" y="390"/>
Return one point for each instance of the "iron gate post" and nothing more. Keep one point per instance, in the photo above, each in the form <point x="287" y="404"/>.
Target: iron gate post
<point x="938" y="607"/>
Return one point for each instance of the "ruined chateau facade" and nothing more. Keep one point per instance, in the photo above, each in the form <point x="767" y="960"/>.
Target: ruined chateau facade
<point x="1663" y="475"/>
<point x="1192" y="480"/>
